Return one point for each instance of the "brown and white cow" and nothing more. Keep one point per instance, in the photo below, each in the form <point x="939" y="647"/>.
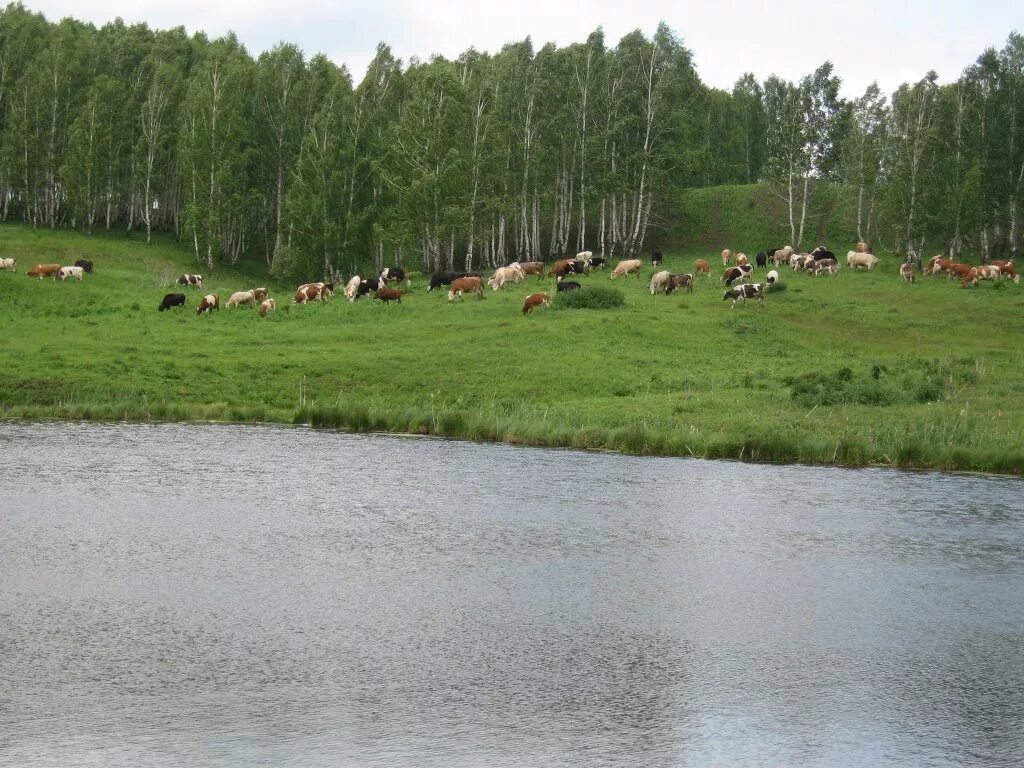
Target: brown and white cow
<point x="43" y="270"/>
<point x="675" y="282"/>
<point x="741" y="260"/>
<point x="958" y="270"/>
<point x="627" y="267"/>
<point x="267" y="305"/>
<point x="824" y="265"/>
<point x="726" y="256"/>
<point x="989" y="272"/>
<point x="907" y="272"/>
<point x="209" y="303"/>
<point x="194" y="281"/>
<point x="536" y="300"/>
<point x="701" y="267"/>
<point x="463" y="285"/>
<point x="562" y="267"/>
<point x="8" y="265"/>
<point x="1007" y="268"/>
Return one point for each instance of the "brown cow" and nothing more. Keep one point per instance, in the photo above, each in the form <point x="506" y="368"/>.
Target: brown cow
<point x="536" y="300"/>
<point x="386" y="294"/>
<point x="43" y="270"/>
<point x="958" y="270"/>
<point x="1007" y="268"/>
<point x="259" y="293"/>
<point x="463" y="285"/>
<point x="209" y="303"/>
<point x="562" y="267"/>
<point x="267" y="305"/>
<point x="533" y="268"/>
<point x="700" y="267"/>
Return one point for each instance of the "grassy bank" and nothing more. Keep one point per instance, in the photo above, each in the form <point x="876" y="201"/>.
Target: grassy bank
<point x="853" y="370"/>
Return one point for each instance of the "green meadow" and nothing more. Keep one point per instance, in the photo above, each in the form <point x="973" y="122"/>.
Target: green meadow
<point x="852" y="370"/>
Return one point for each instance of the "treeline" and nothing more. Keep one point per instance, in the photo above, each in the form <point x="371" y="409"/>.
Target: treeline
<point x="522" y="154"/>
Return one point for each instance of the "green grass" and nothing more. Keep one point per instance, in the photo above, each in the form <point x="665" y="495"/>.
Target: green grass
<point x="850" y="370"/>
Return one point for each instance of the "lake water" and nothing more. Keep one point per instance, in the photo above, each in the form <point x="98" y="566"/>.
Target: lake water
<point x="193" y="595"/>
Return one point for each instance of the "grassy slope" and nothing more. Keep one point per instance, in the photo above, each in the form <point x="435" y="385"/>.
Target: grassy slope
<point x="672" y="375"/>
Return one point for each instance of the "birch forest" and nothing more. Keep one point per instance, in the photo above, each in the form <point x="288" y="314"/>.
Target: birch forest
<point x="523" y="154"/>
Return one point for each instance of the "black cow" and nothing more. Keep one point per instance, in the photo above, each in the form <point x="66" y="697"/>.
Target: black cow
<point x="171" y="300"/>
<point x="656" y="258"/>
<point x="744" y="292"/>
<point x="567" y="285"/>
<point x="85" y="264"/>
<point x="441" y="278"/>
<point x="762" y="259"/>
<point x="194" y="280"/>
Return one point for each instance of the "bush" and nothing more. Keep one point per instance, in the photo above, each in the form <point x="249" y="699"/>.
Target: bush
<point x="775" y="288"/>
<point x="914" y="381"/>
<point x="590" y="297"/>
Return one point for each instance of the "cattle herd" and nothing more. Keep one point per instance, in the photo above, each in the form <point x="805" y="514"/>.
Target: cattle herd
<point x="737" y="277"/>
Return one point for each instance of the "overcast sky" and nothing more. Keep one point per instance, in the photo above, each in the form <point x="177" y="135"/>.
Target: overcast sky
<point x="885" y="40"/>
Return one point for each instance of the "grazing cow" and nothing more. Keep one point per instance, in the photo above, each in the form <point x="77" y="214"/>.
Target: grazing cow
<point x="675" y="282"/>
<point x="85" y="264"/>
<point x="172" y="300"/>
<point x="989" y="272"/>
<point x="394" y="275"/>
<point x="970" y="277"/>
<point x="744" y="292"/>
<point x="726" y="256"/>
<point x="907" y="272"/>
<point x="626" y="267"/>
<point x="742" y="260"/>
<point x="242" y="297"/>
<point x="855" y="259"/>
<point x="536" y="300"/>
<point x="780" y="255"/>
<point x="762" y="259"/>
<point x="826" y="265"/>
<point x="209" y="303"/>
<point x="43" y="270"/>
<point x="532" y="268"/>
<point x="463" y="285"/>
<point x="732" y="274"/>
<point x="65" y="272"/>
<point x="369" y="286"/>
<point x="351" y="287"/>
<point x="659" y="281"/>
<point x="772" y="278"/>
<point x="567" y="285"/>
<point x="656" y="258"/>
<point x="318" y="292"/>
<point x="509" y="274"/>
<point x="821" y="252"/>
<point x="938" y="264"/>
<point x="194" y="281"/>
<point x="9" y="265"/>
<point x="267" y="305"/>
<point x="387" y="295"/>
<point x="562" y="267"/>
<point x="1007" y="268"/>
<point x="441" y="278"/>
<point x="259" y="293"/>
<point x="700" y="267"/>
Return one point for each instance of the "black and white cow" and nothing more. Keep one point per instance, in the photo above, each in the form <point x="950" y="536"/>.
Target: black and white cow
<point x="742" y="272"/>
<point x="370" y="285"/>
<point x="675" y="282"/>
<point x="196" y="281"/>
<point x="172" y="300"/>
<point x="744" y="292"/>
<point x="656" y="258"/>
<point x="393" y="274"/>
<point x="821" y="252"/>
<point x="597" y="263"/>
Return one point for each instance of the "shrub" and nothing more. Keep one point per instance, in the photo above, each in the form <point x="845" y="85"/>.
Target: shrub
<point x="590" y="297"/>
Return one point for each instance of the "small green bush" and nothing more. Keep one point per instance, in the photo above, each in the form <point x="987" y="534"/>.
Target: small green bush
<point x="590" y="297"/>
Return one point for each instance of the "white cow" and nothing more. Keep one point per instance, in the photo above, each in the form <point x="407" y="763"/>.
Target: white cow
<point x="9" y="264"/>
<point x="626" y="267"/>
<point x="510" y="274"/>
<point x="351" y="287"/>
<point x="660" y="281"/>
<point x="242" y="297"/>
<point x="66" y="272"/>
<point x="856" y="259"/>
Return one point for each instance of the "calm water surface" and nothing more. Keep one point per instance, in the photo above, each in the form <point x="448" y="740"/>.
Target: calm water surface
<point x="185" y="595"/>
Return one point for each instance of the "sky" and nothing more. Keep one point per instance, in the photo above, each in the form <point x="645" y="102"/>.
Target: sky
<point x="885" y="40"/>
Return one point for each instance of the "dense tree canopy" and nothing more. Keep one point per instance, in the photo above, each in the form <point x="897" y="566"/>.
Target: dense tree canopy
<point x="520" y="154"/>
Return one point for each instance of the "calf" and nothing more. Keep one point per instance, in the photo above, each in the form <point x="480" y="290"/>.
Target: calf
<point x="43" y="270"/>
<point x="267" y="305"/>
<point x="386" y="294"/>
<point x="700" y="267"/>
<point x="195" y="281"/>
<point x="675" y="282"/>
<point x="463" y="285"/>
<point x="536" y="300"/>
<point x="762" y="259"/>
<point x="659" y="282"/>
<point x="209" y="303"/>
<point x="85" y="264"/>
<point x="907" y="272"/>
<point x="726" y="255"/>
<point x="65" y="272"/>
<point x="172" y="300"/>
<point x="566" y="285"/>
<point x="744" y="292"/>
<point x="9" y="265"/>
<point x="626" y="267"/>
<point x="656" y="258"/>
